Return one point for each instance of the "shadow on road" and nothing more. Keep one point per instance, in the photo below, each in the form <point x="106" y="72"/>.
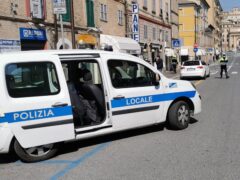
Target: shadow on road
<point x="69" y="147"/>
<point x="218" y="77"/>
<point x="75" y="146"/>
<point x="193" y="78"/>
<point x="192" y="121"/>
<point x="8" y="158"/>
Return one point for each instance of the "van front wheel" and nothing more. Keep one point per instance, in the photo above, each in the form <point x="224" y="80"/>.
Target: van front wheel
<point x="35" y="154"/>
<point x="179" y="115"/>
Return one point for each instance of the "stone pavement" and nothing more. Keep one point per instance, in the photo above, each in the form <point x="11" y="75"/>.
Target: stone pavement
<point x="171" y="74"/>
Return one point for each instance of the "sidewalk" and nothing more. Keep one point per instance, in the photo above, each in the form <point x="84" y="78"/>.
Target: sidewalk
<point x="171" y="74"/>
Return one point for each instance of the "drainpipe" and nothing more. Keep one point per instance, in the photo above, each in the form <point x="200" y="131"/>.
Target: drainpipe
<point x="126" y="18"/>
<point x="72" y="26"/>
<point x="195" y="32"/>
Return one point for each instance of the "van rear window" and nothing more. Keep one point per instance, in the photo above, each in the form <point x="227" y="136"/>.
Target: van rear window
<point x="191" y="63"/>
<point x="31" y="79"/>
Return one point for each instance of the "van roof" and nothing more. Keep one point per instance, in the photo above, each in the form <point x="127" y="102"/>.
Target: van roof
<point x="66" y="51"/>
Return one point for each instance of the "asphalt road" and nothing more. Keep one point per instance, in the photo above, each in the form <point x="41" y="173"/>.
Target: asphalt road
<point x="208" y="150"/>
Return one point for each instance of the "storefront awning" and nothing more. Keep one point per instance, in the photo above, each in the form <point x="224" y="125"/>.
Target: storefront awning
<point x="87" y="39"/>
<point x="121" y="44"/>
<point x="184" y="52"/>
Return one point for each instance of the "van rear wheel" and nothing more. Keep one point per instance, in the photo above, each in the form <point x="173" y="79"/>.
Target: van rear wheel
<point x="179" y="115"/>
<point x="35" y="154"/>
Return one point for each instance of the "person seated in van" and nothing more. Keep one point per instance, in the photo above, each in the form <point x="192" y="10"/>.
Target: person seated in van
<point x="92" y="98"/>
<point x="77" y="104"/>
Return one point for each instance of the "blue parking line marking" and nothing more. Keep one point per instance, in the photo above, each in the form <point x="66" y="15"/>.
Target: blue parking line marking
<point x="76" y="163"/>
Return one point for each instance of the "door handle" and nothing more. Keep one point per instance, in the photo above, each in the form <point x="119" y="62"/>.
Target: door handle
<point x="119" y="97"/>
<point x="59" y="104"/>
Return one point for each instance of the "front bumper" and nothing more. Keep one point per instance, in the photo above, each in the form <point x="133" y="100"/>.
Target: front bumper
<point x="6" y="137"/>
<point x="197" y="101"/>
<point x="192" y="74"/>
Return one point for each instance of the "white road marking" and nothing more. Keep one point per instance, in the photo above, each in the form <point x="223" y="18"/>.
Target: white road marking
<point x="213" y="73"/>
<point x="234" y="72"/>
<point x="231" y="65"/>
<point x="211" y="65"/>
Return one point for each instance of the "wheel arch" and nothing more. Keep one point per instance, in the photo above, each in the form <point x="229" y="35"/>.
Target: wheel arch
<point x="185" y="99"/>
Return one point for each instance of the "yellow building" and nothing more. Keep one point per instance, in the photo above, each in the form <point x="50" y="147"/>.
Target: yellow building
<point x="193" y="23"/>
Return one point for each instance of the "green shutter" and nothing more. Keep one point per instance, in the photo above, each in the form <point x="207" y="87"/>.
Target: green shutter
<point x="90" y="13"/>
<point x="67" y="17"/>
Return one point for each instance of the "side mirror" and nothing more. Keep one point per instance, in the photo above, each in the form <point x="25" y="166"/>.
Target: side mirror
<point x="156" y="80"/>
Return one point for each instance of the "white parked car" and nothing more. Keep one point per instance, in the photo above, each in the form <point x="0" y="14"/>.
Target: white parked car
<point x="50" y="97"/>
<point x="194" y="69"/>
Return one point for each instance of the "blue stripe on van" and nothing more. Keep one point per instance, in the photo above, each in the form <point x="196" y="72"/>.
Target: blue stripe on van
<point x="116" y="103"/>
<point x="30" y="115"/>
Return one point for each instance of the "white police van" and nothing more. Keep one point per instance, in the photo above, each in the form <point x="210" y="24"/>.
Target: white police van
<point x="49" y="97"/>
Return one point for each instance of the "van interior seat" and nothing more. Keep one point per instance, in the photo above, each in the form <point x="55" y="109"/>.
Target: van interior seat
<point x="91" y="91"/>
<point x="78" y="109"/>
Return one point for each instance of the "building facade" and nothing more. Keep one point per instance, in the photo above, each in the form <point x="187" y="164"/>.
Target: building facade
<point x="231" y="30"/>
<point x="174" y="19"/>
<point x="214" y="27"/>
<point x="31" y="24"/>
<point x="154" y="28"/>
<point x="193" y="29"/>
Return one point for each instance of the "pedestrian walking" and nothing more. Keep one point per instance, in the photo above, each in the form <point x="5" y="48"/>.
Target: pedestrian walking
<point x="174" y="64"/>
<point x="223" y="65"/>
<point x="159" y="62"/>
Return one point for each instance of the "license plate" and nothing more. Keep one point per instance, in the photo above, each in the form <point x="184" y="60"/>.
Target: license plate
<point x="190" y="69"/>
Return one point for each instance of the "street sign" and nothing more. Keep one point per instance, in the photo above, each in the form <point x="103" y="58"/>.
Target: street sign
<point x="59" y="6"/>
<point x="195" y="50"/>
<point x="7" y="45"/>
<point x="135" y="22"/>
<point x="32" y="34"/>
<point x="176" y="43"/>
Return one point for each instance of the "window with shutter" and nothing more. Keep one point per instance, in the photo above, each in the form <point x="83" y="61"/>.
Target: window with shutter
<point x="67" y="17"/>
<point x="36" y="9"/>
<point x="90" y="13"/>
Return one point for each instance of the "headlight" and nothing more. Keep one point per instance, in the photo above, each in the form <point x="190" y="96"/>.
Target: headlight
<point x="194" y="85"/>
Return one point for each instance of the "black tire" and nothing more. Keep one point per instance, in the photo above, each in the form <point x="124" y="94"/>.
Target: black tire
<point x="205" y="75"/>
<point x="25" y="156"/>
<point x="209" y="74"/>
<point x="174" y="119"/>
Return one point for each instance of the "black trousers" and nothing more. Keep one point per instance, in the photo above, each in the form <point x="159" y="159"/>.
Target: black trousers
<point x="224" y="68"/>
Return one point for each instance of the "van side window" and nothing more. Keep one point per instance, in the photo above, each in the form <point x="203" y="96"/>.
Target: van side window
<point x="127" y="74"/>
<point x="32" y="79"/>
